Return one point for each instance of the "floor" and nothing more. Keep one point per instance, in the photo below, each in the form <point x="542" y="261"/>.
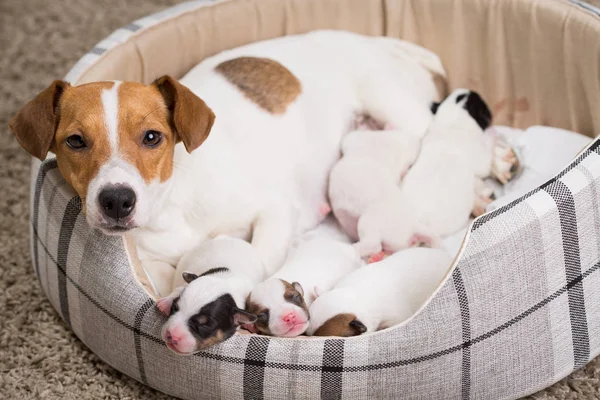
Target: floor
<point x="39" y="357"/>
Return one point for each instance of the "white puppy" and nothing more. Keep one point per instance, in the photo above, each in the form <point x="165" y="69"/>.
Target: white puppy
<point x="219" y="274"/>
<point x="379" y="295"/>
<point x="372" y="166"/>
<point x="281" y="302"/>
<point x="438" y="194"/>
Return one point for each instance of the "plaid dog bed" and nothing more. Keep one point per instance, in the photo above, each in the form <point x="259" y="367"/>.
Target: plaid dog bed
<point x="519" y="310"/>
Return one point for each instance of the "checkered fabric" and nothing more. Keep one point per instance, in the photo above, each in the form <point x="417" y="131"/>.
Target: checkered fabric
<point x="519" y="311"/>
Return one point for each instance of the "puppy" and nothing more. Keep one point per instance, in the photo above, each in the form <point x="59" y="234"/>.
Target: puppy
<point x="219" y="274"/>
<point x="372" y="166"/>
<point x="379" y="295"/>
<point x="438" y="194"/>
<point x="281" y="302"/>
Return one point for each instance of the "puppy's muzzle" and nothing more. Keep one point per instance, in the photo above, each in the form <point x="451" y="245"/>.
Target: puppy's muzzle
<point x="117" y="202"/>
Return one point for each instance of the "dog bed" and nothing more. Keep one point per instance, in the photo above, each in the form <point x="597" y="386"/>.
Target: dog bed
<point x="520" y="308"/>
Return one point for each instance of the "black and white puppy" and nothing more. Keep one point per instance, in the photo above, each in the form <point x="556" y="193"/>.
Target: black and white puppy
<point x="220" y="273"/>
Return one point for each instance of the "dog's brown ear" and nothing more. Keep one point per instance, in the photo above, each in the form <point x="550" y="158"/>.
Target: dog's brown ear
<point x="34" y="126"/>
<point x="190" y="116"/>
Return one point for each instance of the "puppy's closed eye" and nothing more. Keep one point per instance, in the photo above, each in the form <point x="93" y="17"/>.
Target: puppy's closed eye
<point x="201" y="319"/>
<point x="174" y="306"/>
<point x="263" y="317"/>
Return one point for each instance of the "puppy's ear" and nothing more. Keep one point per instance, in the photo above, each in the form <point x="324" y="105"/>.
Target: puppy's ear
<point x="298" y="287"/>
<point x="242" y="317"/>
<point x="188" y="276"/>
<point x="358" y="327"/>
<point x="191" y="118"/>
<point x="34" y="126"/>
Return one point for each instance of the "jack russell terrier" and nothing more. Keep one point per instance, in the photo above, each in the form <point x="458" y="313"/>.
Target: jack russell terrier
<point x="220" y="273"/>
<point x="133" y="152"/>
<point x="379" y="295"/>
<point x="314" y="266"/>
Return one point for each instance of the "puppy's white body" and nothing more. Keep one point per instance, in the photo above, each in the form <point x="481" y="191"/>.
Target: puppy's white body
<point x="385" y="293"/>
<point x="437" y="194"/>
<point x="239" y="257"/>
<point x="266" y="175"/>
<point x="320" y="263"/>
<point x="316" y="264"/>
<point x="241" y="270"/>
<point x="371" y="169"/>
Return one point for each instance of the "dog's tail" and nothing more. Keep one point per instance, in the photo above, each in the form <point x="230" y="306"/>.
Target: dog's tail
<point x="410" y="52"/>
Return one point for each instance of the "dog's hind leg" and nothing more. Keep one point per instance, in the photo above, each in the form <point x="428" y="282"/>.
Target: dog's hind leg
<point x="272" y="234"/>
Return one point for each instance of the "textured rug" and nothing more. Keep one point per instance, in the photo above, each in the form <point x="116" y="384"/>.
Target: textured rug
<point x="39" y="357"/>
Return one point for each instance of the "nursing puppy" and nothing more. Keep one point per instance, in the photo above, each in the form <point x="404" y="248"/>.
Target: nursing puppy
<point x="370" y="170"/>
<point x="219" y="274"/>
<point x="379" y="295"/>
<point x="281" y="302"/>
<point x="442" y="188"/>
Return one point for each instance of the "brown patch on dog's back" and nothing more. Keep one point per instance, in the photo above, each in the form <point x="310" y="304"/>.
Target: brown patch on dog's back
<point x="338" y="325"/>
<point x="265" y="82"/>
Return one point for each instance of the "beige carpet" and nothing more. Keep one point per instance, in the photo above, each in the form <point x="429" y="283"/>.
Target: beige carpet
<point x="39" y="357"/>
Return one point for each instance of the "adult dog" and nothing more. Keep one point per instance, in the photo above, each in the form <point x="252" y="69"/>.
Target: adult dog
<point x="281" y="107"/>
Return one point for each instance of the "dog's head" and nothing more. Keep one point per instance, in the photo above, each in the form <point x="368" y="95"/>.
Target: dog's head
<point x="279" y="307"/>
<point x="201" y="315"/>
<point x="114" y="142"/>
<point x="463" y="102"/>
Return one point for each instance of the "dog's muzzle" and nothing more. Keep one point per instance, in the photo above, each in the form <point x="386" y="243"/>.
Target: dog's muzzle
<point x="117" y="202"/>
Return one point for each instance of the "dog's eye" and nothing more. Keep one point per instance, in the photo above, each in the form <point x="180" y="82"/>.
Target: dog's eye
<point x="175" y="306"/>
<point x="152" y="138"/>
<point x="76" y="142"/>
<point x="263" y="316"/>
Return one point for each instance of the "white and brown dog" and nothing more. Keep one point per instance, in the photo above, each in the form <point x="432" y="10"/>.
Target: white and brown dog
<point x="220" y="273"/>
<point x="314" y="266"/>
<point x="379" y="295"/>
<point x="133" y="152"/>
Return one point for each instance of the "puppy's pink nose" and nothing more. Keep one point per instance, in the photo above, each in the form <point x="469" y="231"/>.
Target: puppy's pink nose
<point x="290" y="318"/>
<point x="171" y="338"/>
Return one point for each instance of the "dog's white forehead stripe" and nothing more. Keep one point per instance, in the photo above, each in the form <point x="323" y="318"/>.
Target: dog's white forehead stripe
<point x="110" y="103"/>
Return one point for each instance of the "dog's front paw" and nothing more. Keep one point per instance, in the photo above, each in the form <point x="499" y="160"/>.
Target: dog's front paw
<point x="505" y="163"/>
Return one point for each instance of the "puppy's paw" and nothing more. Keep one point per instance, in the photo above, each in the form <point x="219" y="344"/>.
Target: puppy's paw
<point x="324" y="210"/>
<point x="377" y="257"/>
<point x="164" y="305"/>
<point x="484" y="195"/>
<point x="505" y="163"/>
<point x="367" y="249"/>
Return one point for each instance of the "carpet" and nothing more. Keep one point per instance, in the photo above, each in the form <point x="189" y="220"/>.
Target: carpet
<point x="39" y="356"/>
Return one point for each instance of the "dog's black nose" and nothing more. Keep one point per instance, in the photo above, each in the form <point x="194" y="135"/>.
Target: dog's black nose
<point x="117" y="202"/>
